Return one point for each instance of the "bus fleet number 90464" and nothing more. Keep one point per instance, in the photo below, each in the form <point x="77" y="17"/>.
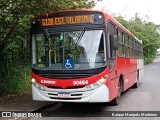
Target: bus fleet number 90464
<point x="80" y="82"/>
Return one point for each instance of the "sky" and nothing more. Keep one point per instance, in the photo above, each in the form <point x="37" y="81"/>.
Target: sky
<point x="148" y="10"/>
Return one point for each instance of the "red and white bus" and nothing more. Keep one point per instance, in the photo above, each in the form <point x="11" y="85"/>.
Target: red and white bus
<point x="83" y="56"/>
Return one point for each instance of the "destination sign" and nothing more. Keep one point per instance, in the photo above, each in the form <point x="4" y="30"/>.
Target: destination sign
<point x="65" y="20"/>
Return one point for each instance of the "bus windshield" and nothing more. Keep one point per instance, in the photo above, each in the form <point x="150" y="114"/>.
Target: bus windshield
<point x="69" y="50"/>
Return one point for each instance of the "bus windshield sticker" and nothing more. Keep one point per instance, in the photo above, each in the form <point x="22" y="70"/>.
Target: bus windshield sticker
<point x="68" y="63"/>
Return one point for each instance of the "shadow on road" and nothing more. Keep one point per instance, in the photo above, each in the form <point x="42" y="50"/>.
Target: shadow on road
<point x="78" y="110"/>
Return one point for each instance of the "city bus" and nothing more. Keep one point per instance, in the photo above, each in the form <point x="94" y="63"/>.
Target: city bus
<point x="83" y="56"/>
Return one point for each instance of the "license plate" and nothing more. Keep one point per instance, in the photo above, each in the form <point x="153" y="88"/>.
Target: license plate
<point x="64" y="95"/>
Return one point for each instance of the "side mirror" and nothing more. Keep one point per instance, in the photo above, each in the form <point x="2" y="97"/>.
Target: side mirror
<point x="115" y="42"/>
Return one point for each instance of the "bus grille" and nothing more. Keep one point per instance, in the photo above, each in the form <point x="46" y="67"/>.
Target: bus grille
<point x="65" y="98"/>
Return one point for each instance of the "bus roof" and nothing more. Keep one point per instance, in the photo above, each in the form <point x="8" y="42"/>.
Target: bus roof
<point x="120" y="26"/>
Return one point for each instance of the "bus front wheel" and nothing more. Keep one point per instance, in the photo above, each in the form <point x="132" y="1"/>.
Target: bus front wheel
<point x="116" y="100"/>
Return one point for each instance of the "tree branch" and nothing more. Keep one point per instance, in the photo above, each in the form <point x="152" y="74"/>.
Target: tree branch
<point x="5" y="40"/>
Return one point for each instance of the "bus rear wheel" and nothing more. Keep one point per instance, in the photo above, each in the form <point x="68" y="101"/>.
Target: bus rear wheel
<point x="137" y="83"/>
<point x="116" y="100"/>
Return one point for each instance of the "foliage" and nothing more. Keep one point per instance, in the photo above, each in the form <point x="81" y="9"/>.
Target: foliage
<point x="15" y="17"/>
<point x="145" y="31"/>
<point x="16" y="79"/>
<point x="16" y="14"/>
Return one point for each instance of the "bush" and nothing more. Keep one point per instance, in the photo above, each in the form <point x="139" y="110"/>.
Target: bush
<point x="14" y="79"/>
<point x="148" y="60"/>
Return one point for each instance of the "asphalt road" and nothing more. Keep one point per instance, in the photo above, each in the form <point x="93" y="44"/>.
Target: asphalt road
<point x="145" y="98"/>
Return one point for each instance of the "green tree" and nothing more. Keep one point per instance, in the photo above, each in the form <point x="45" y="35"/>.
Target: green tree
<point x="16" y="14"/>
<point x="145" y="31"/>
<point x="15" y="18"/>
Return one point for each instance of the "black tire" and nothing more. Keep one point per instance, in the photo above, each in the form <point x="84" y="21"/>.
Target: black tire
<point x="116" y="100"/>
<point x="137" y="83"/>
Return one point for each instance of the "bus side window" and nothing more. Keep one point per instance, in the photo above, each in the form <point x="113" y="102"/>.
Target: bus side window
<point x="100" y="57"/>
<point x="111" y="32"/>
<point x="112" y="53"/>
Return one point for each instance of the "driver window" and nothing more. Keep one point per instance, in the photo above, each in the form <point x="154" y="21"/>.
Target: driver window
<point x="112" y="55"/>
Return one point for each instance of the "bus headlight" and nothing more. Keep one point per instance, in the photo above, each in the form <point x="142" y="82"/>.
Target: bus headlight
<point x="97" y="84"/>
<point x="33" y="80"/>
<point x="39" y="86"/>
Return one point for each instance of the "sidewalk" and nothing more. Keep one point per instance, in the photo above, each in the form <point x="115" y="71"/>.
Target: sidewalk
<point x="21" y="102"/>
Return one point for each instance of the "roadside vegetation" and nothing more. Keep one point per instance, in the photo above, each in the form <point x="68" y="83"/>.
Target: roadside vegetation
<point x="145" y="31"/>
<point x="15" y="17"/>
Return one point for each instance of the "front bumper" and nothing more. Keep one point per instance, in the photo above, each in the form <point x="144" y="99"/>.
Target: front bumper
<point x="100" y="94"/>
